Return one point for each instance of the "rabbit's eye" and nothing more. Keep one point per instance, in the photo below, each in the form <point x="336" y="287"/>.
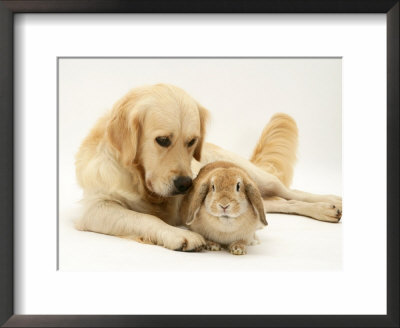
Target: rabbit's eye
<point x="213" y="187"/>
<point x="238" y="186"/>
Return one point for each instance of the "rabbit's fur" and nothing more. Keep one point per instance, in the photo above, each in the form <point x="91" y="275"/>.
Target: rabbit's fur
<point x="225" y="206"/>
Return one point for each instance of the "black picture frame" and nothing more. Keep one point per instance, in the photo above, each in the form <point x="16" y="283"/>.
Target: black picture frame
<point x="10" y="7"/>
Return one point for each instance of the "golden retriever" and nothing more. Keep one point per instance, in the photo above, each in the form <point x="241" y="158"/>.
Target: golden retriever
<point x="140" y="158"/>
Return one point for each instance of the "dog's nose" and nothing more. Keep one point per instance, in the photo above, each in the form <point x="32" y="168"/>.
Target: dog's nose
<point x="182" y="184"/>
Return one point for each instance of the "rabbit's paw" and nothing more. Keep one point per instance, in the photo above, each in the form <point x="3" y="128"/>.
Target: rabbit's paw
<point x="211" y="246"/>
<point x="238" y="248"/>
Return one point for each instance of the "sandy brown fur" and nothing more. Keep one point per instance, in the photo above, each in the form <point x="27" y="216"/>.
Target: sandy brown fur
<point x="217" y="184"/>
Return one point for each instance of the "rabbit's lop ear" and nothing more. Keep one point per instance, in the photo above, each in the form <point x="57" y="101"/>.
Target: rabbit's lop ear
<point x="254" y="196"/>
<point x="195" y="201"/>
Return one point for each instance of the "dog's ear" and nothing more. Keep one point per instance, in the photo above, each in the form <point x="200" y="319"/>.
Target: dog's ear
<point x="195" y="199"/>
<point x="204" y="115"/>
<point x="123" y="130"/>
<point x="254" y="196"/>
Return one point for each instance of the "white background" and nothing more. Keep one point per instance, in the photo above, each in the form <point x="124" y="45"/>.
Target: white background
<point x="241" y="95"/>
<point x="40" y="39"/>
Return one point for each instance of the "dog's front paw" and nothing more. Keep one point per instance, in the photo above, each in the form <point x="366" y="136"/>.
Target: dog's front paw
<point x="211" y="246"/>
<point x="183" y="240"/>
<point x="237" y="248"/>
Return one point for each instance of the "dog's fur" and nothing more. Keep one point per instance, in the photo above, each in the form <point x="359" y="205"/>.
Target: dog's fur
<point x="129" y="180"/>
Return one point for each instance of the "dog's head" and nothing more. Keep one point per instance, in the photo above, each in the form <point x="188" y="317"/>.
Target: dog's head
<point x="160" y="128"/>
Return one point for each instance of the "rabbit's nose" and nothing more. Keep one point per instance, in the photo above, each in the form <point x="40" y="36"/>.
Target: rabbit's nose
<point x="224" y="207"/>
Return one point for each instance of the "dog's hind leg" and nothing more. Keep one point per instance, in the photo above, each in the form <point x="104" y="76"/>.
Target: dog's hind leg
<point x="319" y="211"/>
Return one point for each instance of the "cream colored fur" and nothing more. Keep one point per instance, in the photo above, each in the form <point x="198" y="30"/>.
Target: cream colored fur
<point x="276" y="149"/>
<point x="127" y="178"/>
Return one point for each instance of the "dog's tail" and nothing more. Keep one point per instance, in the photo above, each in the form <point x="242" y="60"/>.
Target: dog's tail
<point x="276" y="149"/>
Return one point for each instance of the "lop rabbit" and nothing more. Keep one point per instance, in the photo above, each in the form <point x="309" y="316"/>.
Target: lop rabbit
<point x="225" y="207"/>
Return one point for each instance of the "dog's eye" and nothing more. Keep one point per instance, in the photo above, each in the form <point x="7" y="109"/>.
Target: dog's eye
<point x="238" y="186"/>
<point x="213" y="187"/>
<point x="191" y="142"/>
<point x="163" y="141"/>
